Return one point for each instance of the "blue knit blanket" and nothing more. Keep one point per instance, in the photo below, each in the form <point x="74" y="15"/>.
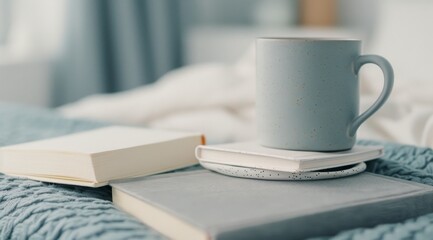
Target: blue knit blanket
<point x="34" y="210"/>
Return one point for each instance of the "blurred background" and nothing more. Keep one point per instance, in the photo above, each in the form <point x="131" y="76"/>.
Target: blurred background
<point x="56" y="51"/>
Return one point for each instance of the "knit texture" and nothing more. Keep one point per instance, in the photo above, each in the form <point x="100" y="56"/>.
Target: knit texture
<point x="405" y="162"/>
<point x="34" y="210"/>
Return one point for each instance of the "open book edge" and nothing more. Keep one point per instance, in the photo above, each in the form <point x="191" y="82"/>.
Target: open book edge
<point x="61" y="180"/>
<point x="86" y="183"/>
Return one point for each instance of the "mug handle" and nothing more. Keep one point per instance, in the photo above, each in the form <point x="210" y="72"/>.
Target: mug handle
<point x="388" y="75"/>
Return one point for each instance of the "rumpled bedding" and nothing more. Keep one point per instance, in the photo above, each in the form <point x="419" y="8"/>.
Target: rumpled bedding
<point x="215" y="99"/>
<point x="34" y="210"/>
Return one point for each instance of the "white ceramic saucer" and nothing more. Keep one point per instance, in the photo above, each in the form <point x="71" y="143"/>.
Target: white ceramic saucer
<point x="256" y="173"/>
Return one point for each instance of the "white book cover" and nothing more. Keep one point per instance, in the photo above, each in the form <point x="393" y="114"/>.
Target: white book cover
<point x="253" y="155"/>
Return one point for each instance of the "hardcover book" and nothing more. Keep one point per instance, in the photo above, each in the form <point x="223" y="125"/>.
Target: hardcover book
<point x="204" y="205"/>
<point x="95" y="157"/>
<point x="253" y="155"/>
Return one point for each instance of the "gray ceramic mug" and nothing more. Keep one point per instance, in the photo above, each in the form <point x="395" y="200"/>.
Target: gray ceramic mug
<point x="308" y="92"/>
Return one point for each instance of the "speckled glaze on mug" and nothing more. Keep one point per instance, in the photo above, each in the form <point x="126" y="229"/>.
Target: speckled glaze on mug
<point x="308" y="92"/>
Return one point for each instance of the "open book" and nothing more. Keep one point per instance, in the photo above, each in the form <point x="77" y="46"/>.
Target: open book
<point x="95" y="157"/>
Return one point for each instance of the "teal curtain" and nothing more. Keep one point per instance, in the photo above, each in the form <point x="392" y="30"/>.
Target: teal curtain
<point x="116" y="45"/>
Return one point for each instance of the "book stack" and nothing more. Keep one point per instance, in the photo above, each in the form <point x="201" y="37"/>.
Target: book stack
<point x="203" y="204"/>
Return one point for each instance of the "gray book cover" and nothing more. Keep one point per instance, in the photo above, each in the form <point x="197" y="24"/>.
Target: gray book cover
<point x="224" y="207"/>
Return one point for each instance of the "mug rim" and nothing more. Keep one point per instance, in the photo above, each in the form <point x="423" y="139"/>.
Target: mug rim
<point x="309" y="39"/>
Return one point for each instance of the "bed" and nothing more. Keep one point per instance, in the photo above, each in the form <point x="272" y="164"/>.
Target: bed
<point x="35" y="210"/>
